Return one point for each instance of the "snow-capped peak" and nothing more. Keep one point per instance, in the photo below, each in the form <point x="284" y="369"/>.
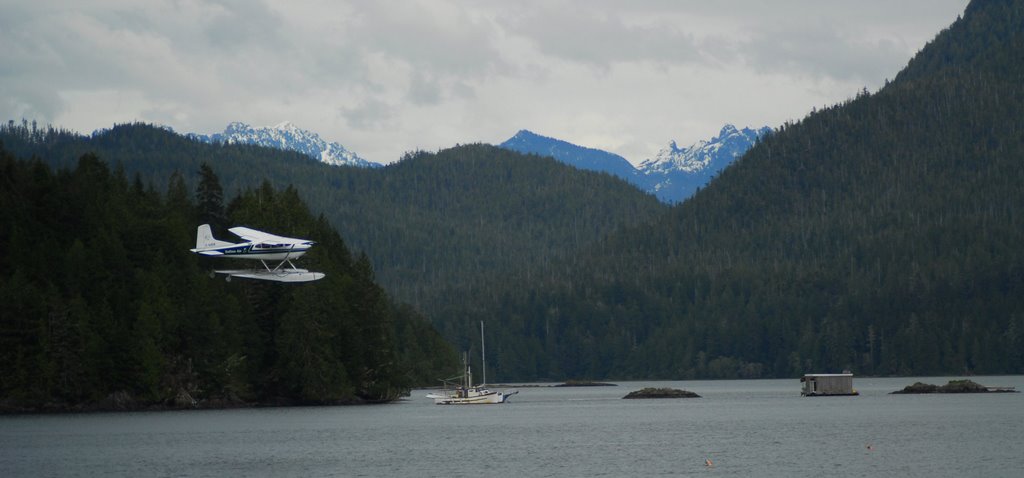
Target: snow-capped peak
<point x="287" y="136"/>
<point x="673" y="175"/>
<point x="682" y="170"/>
<point x="729" y="144"/>
<point x="727" y="130"/>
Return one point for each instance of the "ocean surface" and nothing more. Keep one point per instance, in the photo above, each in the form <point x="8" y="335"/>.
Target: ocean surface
<point x="745" y="427"/>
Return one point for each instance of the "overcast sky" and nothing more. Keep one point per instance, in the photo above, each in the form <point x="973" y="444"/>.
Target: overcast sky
<point x="386" y="77"/>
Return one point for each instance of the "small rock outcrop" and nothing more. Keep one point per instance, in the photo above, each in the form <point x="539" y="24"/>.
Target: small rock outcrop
<point x="954" y="386"/>
<point x="661" y="393"/>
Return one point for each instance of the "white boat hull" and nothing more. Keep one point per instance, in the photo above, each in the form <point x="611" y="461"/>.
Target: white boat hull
<point x="467" y="393"/>
<point x="471" y="397"/>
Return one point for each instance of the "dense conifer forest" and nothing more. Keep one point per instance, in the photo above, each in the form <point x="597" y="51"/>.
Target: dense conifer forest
<point x="430" y="222"/>
<point x="881" y="235"/>
<point x="104" y="307"/>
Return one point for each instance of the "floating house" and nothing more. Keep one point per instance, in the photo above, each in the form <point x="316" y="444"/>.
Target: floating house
<point x="827" y="384"/>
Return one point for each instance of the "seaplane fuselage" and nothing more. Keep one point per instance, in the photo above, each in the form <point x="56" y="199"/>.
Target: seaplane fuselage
<point x="265" y="251"/>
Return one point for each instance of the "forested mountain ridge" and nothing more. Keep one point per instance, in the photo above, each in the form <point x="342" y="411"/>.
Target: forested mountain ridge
<point x="105" y="308"/>
<point x="477" y="211"/>
<point x="435" y="226"/>
<point x="882" y="235"/>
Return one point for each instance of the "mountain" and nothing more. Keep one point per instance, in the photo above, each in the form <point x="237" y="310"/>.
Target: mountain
<point x="881" y="235"/>
<point x="676" y="173"/>
<point x="672" y="176"/>
<point x="286" y="136"/>
<point x="442" y="230"/>
<point x="581" y="157"/>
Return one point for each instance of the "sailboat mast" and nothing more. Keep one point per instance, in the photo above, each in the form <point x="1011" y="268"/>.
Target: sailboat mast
<point x="483" y="354"/>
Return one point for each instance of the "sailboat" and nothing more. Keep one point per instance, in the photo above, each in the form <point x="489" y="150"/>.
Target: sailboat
<point x="465" y="393"/>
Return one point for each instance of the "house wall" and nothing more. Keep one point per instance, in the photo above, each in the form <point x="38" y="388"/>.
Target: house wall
<point x="827" y="385"/>
<point x="830" y="385"/>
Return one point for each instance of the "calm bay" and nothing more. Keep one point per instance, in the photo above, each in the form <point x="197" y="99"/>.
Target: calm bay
<point x="745" y="427"/>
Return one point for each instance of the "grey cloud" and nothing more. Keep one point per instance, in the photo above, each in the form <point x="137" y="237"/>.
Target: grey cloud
<point x="176" y="54"/>
<point x="369" y="114"/>
<point x="600" y="38"/>
<point x="20" y="102"/>
<point x="822" y="52"/>
<point x="440" y="50"/>
<point x="424" y="89"/>
<point x="24" y="55"/>
<point x="56" y="51"/>
<point x="243" y="24"/>
<point x="37" y="66"/>
<point x="804" y="37"/>
<point x="445" y="42"/>
<point x="373" y="69"/>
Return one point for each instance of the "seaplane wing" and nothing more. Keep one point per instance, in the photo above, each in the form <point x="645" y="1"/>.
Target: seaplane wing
<point x="253" y="235"/>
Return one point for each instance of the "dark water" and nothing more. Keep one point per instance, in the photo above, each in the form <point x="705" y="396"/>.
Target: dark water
<point x="747" y="428"/>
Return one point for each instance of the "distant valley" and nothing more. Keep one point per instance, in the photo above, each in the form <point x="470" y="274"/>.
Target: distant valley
<point x="672" y="175"/>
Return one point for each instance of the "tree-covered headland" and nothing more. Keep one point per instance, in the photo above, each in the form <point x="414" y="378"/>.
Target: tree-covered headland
<point x="105" y="307"/>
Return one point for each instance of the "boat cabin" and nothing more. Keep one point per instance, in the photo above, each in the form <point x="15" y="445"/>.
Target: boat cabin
<point x="827" y="384"/>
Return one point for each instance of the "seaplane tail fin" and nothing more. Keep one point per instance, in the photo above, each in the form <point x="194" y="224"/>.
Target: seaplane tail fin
<point x="204" y="238"/>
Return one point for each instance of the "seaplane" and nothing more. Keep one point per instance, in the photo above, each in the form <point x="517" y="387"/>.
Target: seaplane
<point x="260" y="246"/>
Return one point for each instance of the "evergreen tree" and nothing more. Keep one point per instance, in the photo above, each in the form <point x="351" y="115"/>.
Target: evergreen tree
<point x="210" y="199"/>
<point x="105" y="308"/>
